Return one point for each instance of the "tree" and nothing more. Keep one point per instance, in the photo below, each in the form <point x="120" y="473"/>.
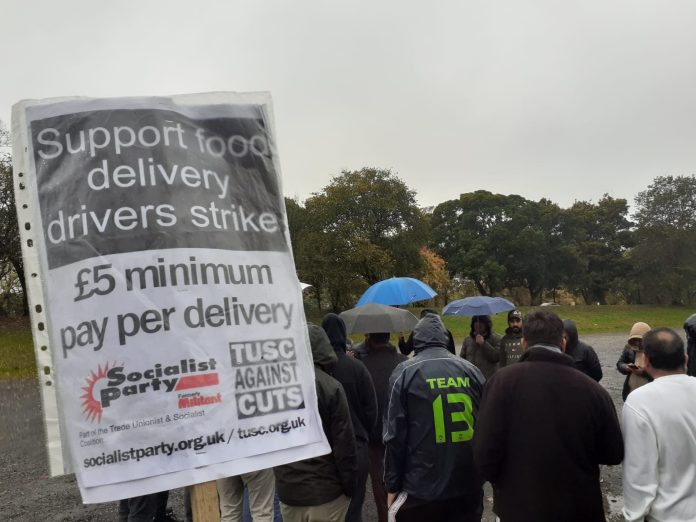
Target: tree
<point x="537" y="257"/>
<point x="667" y="204"/>
<point x="598" y="236"/>
<point x="317" y="256"/>
<point x="435" y="273"/>
<point x="663" y="259"/>
<point x="363" y="227"/>
<point x="473" y="234"/>
<point x="10" y="247"/>
<point x="500" y="241"/>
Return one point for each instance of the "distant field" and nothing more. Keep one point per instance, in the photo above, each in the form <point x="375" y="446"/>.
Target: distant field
<point x="17" y="355"/>
<point x="592" y="319"/>
<point x="16" y="348"/>
<point x="589" y="319"/>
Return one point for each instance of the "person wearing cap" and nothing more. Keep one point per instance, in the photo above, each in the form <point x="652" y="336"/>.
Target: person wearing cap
<point x="636" y="375"/>
<point x="690" y="329"/>
<point x="659" y="471"/>
<point x="482" y="345"/>
<point x="511" y="343"/>
<point x="543" y="430"/>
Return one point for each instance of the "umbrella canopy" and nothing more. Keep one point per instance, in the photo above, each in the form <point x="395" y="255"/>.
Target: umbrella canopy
<point x="378" y="318"/>
<point x="478" y="305"/>
<point x="397" y="291"/>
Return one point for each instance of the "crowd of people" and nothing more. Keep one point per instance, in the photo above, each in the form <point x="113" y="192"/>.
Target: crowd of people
<point x="523" y="411"/>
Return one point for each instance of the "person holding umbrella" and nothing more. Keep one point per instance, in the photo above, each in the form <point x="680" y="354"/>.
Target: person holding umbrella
<point x="482" y="345"/>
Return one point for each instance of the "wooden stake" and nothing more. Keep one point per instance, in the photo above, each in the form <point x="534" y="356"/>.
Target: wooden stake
<point x="204" y="502"/>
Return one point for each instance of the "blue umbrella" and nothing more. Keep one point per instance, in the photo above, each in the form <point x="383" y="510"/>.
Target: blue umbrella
<point x="397" y="291"/>
<point x="478" y="305"/>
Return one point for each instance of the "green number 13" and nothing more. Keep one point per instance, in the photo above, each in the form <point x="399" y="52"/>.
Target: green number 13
<point x="457" y="416"/>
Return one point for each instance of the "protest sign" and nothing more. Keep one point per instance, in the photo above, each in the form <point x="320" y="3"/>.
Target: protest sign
<point x="166" y="311"/>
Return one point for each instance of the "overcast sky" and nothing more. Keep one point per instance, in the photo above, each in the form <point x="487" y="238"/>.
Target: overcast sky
<point x="564" y="100"/>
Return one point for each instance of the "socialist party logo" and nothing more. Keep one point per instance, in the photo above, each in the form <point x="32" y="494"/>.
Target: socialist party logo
<point x="112" y="382"/>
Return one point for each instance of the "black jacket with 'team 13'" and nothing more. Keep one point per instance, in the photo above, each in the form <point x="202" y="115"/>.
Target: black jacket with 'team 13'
<point x="429" y="420"/>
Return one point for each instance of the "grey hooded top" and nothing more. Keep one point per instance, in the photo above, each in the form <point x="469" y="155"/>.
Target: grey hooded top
<point x="430" y="418"/>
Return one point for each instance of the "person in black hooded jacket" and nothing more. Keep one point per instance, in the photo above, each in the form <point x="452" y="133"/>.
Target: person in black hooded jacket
<point x="690" y="329"/>
<point x="320" y="488"/>
<point x="362" y="401"/>
<point x="434" y="398"/>
<point x="583" y="355"/>
<point x="406" y="345"/>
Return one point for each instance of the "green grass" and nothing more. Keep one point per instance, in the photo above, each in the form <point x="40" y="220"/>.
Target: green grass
<point x="16" y="348"/>
<point x="17" y="354"/>
<point x="589" y="319"/>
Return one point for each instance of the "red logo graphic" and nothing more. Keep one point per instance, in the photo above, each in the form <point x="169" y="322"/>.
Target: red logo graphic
<point x="91" y="406"/>
<point x="198" y="381"/>
<point x="113" y="382"/>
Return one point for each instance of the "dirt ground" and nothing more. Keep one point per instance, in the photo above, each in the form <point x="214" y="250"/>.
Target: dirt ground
<point x="27" y="494"/>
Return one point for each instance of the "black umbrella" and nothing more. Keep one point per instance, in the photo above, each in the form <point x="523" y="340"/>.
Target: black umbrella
<point x="378" y="318"/>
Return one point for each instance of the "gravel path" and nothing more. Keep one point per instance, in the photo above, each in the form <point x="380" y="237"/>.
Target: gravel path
<point x="28" y="495"/>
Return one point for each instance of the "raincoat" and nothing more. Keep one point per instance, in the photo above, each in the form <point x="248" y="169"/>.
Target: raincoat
<point x="430" y="420"/>
<point x="360" y="391"/>
<point x="354" y="378"/>
<point x="319" y="480"/>
<point x="487" y="356"/>
<point x="583" y="355"/>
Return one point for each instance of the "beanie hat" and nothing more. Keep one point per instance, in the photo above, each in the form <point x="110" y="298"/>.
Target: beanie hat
<point x="638" y="330"/>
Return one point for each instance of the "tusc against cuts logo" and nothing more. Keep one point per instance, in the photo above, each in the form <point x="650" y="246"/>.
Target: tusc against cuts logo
<point x="266" y="377"/>
<point x="113" y="382"/>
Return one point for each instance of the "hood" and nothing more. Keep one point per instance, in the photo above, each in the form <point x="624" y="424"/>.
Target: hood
<point x="486" y="319"/>
<point x="690" y="327"/>
<point x="335" y="329"/>
<point x="638" y="330"/>
<point x="429" y="332"/>
<point x="572" y="333"/>
<point x="322" y="351"/>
